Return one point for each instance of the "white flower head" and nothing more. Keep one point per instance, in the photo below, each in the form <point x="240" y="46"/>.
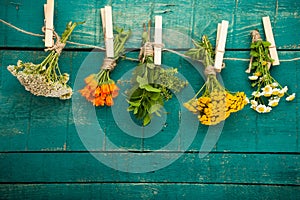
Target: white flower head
<point x="285" y="89"/>
<point x="274" y="85"/>
<point x="276" y="91"/>
<point x="267" y="90"/>
<point x="263" y="109"/>
<point x="253" y="103"/>
<point x="253" y="78"/>
<point x="256" y="94"/>
<point x="247" y="100"/>
<point x="273" y="102"/>
<point x="268" y="109"/>
<point x="291" y="97"/>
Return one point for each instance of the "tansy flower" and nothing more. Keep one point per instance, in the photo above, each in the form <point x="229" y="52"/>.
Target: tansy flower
<point x="291" y="97"/>
<point x="253" y="78"/>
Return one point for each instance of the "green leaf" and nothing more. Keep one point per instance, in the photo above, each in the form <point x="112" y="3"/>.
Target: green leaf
<point x="254" y="84"/>
<point x="154" y="108"/>
<point x="149" y="88"/>
<point x="142" y="81"/>
<point x="157" y="113"/>
<point x="266" y="43"/>
<point x="147" y="120"/>
<point x="134" y="103"/>
<point x="136" y="109"/>
<point x="130" y="108"/>
<point x="254" y="53"/>
<point x="150" y="65"/>
<point x="254" y="64"/>
<point x="154" y="95"/>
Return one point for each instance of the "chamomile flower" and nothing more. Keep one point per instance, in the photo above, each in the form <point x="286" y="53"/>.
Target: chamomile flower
<point x="285" y="89"/>
<point x="291" y="97"/>
<point x="253" y="104"/>
<point x="274" y="84"/>
<point x="275" y="91"/>
<point x="261" y="108"/>
<point x="273" y="102"/>
<point x="268" y="109"/>
<point x="256" y="94"/>
<point x="267" y="91"/>
<point x="253" y="78"/>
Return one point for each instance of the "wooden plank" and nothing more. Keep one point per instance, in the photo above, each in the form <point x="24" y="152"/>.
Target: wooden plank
<point x="260" y="130"/>
<point x="183" y="19"/>
<point x="214" y="168"/>
<point x="147" y="191"/>
<point x="266" y="129"/>
<point x="14" y="108"/>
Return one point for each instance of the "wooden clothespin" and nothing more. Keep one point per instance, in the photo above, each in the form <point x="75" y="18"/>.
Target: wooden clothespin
<point x="220" y="46"/>
<point x="218" y="35"/>
<point x="270" y="38"/>
<point x="49" y="14"/>
<point x="106" y="15"/>
<point x="158" y="40"/>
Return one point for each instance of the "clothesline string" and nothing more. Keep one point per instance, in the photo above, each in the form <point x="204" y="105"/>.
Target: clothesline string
<point x="101" y="48"/>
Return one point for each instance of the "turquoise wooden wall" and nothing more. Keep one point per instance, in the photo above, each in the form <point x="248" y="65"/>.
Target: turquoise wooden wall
<point x="43" y="155"/>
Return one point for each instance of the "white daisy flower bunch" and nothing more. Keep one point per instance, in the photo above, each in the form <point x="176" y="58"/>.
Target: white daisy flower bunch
<point x="268" y="91"/>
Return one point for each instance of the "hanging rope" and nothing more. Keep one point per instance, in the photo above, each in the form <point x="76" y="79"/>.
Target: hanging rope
<point x="158" y="45"/>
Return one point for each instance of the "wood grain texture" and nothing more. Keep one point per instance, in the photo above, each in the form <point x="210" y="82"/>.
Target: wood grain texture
<point x="146" y="191"/>
<point x="182" y="19"/>
<point x="214" y="168"/>
<point x="51" y="149"/>
<point x="48" y="124"/>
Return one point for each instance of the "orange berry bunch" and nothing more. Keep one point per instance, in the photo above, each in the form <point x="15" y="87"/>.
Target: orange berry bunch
<point x="216" y="105"/>
<point x="100" y="92"/>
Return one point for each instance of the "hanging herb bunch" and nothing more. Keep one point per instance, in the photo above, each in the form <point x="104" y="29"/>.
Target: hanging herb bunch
<point x="100" y="89"/>
<point x="268" y="91"/>
<point x="46" y="79"/>
<point x="152" y="85"/>
<point x="216" y="103"/>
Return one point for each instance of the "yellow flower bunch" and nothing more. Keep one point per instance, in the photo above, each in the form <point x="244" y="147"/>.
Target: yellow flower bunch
<point x="216" y="103"/>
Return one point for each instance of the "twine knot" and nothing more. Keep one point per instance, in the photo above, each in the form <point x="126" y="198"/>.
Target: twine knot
<point x="148" y="49"/>
<point x="58" y="46"/>
<point x="255" y="35"/>
<point x="210" y="70"/>
<point x="109" y="64"/>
